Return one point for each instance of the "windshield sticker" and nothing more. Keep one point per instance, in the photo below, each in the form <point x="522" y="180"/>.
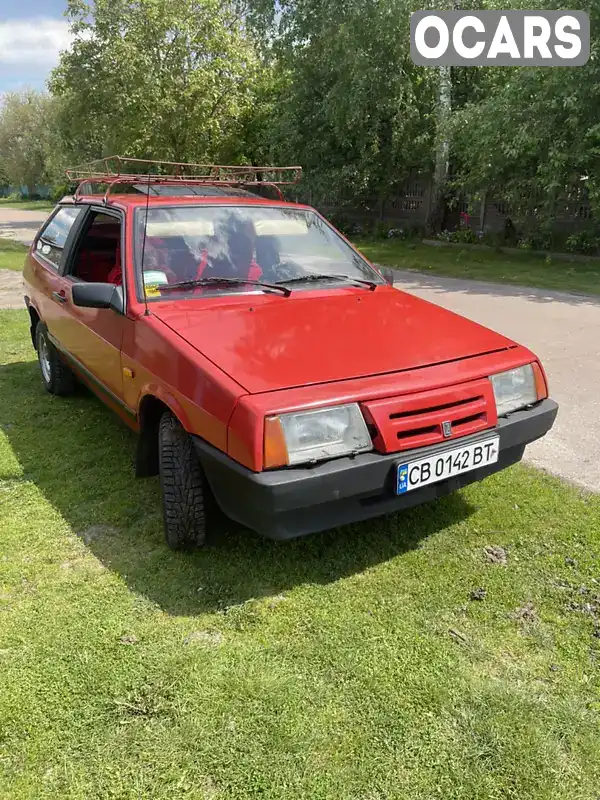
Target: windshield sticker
<point x="155" y="277"/>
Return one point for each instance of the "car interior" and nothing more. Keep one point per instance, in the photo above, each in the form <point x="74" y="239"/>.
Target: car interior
<point x="187" y="260"/>
<point x="98" y="258"/>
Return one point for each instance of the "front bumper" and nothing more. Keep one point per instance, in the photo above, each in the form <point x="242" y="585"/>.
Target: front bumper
<point x="286" y="503"/>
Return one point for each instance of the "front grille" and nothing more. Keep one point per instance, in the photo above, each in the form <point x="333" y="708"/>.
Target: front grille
<point x="416" y="420"/>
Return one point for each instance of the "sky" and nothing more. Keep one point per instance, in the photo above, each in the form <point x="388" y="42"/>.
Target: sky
<point x="32" y="32"/>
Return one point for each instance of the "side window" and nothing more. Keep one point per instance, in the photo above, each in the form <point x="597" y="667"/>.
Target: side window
<point x="97" y="256"/>
<point x="51" y="242"/>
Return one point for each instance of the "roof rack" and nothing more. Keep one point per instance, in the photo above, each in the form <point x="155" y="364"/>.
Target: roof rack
<point x="114" y="170"/>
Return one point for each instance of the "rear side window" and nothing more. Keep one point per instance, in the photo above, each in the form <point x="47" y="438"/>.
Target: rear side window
<point x="51" y="242"/>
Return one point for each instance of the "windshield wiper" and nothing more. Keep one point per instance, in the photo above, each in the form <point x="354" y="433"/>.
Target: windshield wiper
<point x="166" y="287"/>
<point x="323" y="277"/>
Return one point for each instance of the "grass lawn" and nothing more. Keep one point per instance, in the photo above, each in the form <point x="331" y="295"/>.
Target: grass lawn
<point x="524" y="269"/>
<point x="351" y="665"/>
<point x="12" y="254"/>
<point x="27" y="205"/>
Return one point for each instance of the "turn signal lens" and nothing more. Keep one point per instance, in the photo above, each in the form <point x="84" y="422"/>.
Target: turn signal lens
<point x="275" y="450"/>
<point x="540" y="382"/>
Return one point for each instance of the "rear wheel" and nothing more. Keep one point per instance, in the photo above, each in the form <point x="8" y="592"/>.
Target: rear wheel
<point x="57" y="377"/>
<point x="185" y="491"/>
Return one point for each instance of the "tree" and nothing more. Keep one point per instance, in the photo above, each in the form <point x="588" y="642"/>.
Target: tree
<point x="26" y="138"/>
<point x="167" y="79"/>
<point x="353" y="110"/>
<point x="532" y="137"/>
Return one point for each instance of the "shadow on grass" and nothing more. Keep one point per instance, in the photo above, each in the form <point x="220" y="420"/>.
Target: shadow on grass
<point x="80" y="457"/>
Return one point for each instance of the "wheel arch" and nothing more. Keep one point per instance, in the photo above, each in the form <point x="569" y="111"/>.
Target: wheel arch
<point x="150" y="410"/>
<point x="34" y="318"/>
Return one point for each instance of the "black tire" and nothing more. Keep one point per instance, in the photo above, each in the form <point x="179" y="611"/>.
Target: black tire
<point x="185" y="491"/>
<point x="57" y="377"/>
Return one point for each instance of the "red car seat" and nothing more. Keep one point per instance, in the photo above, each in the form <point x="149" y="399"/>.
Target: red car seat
<point x="254" y="271"/>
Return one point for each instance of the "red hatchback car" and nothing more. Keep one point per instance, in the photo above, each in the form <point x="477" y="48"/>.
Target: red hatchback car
<point x="268" y="367"/>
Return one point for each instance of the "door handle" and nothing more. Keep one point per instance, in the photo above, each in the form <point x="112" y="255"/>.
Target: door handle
<point x="60" y="296"/>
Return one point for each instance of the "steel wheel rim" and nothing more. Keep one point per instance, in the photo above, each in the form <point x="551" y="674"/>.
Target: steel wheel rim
<point x="44" y="356"/>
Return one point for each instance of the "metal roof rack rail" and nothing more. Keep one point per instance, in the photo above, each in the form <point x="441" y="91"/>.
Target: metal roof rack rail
<point x="114" y="170"/>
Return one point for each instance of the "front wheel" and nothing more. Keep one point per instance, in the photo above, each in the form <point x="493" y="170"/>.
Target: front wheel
<point x="57" y="377"/>
<point x="184" y="488"/>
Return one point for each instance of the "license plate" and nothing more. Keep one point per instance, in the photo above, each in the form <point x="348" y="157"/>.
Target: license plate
<point x="445" y="465"/>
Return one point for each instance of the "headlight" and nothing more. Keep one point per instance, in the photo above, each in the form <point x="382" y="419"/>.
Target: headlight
<point x="515" y="389"/>
<point x="315" y="435"/>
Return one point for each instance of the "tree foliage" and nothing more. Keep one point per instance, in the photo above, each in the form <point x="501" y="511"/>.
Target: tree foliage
<point x="163" y="79"/>
<point x="533" y="135"/>
<point x="26" y="131"/>
<point x="355" y="110"/>
<point x="326" y="84"/>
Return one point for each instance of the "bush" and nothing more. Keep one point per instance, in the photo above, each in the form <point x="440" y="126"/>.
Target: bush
<point x="384" y="230"/>
<point x="59" y="190"/>
<point x="524" y="243"/>
<point x="465" y="236"/>
<point x="345" y="225"/>
<point x="15" y="197"/>
<point x="354" y="229"/>
<point x="585" y="242"/>
<point x="380" y="230"/>
<point x="461" y="236"/>
<point x="415" y="231"/>
<point x="540" y="239"/>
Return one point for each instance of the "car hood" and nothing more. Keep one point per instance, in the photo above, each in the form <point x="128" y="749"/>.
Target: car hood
<point x="270" y="342"/>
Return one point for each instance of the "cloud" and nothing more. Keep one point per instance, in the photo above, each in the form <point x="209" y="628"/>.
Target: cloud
<point x="34" y="42"/>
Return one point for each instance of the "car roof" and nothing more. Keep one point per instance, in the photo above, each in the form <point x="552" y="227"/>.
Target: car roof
<point x="191" y="190"/>
<point x="126" y="201"/>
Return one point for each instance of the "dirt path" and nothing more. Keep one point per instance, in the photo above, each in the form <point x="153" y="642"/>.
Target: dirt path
<point x="15" y="223"/>
<point x="11" y="289"/>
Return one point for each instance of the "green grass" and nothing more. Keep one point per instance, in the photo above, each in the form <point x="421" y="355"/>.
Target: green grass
<point x="522" y="269"/>
<point x="27" y="205"/>
<point x="12" y="254"/>
<point x="351" y="665"/>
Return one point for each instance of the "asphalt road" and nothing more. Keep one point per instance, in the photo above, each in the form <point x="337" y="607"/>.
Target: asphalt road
<point x="562" y="329"/>
<point x="21" y="225"/>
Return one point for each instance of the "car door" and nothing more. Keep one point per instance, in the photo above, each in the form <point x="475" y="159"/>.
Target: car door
<point x="46" y="261"/>
<point x="93" y="336"/>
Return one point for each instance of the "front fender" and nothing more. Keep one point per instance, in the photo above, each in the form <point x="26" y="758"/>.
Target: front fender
<point x="158" y="392"/>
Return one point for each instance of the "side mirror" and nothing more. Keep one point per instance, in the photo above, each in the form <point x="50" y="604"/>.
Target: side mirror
<point x="99" y="295"/>
<point x="388" y="275"/>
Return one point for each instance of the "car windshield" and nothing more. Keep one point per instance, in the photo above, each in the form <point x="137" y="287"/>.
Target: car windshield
<point x="188" y="249"/>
